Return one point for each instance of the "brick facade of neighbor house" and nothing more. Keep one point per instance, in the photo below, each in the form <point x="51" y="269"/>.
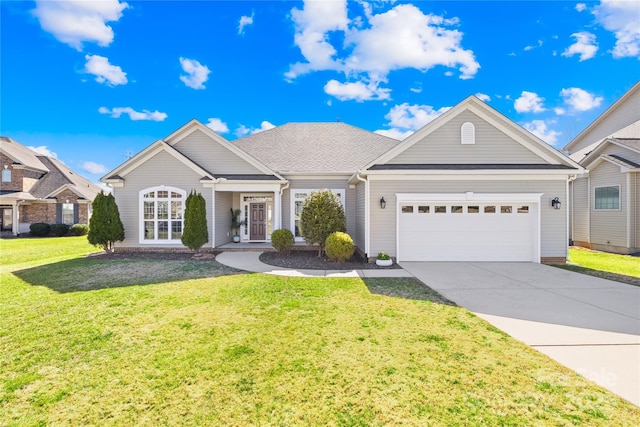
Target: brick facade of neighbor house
<point x="16" y="175"/>
<point x="40" y="212"/>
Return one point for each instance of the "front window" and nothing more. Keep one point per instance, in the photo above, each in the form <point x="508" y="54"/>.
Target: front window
<point x="162" y="211"/>
<point x="299" y="196"/>
<point x="67" y="213"/>
<point x="6" y="175"/>
<point x="607" y="198"/>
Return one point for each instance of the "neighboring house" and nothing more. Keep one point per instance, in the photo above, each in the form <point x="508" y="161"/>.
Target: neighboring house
<point x="36" y="188"/>
<point x="471" y="185"/>
<point x="605" y="212"/>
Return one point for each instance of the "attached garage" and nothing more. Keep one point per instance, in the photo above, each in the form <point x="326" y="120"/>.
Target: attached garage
<point x="468" y="227"/>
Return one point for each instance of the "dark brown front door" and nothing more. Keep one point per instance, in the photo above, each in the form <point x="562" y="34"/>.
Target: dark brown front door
<point x="257" y="221"/>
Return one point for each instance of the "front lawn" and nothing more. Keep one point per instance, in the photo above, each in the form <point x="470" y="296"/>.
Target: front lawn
<point x="252" y="349"/>
<point x="622" y="268"/>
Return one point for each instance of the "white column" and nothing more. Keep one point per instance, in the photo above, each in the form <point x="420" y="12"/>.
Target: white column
<point x="213" y="216"/>
<point x="277" y="210"/>
<point x="15" y="228"/>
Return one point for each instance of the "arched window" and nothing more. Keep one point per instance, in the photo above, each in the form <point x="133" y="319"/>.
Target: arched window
<point x="468" y="133"/>
<point x="161" y="214"/>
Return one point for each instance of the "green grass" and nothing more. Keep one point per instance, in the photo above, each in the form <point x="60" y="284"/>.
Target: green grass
<point x="613" y="263"/>
<point x="252" y="349"/>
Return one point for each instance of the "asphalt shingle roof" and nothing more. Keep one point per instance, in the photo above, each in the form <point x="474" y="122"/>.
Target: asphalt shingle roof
<point x="21" y="154"/>
<point x="316" y="147"/>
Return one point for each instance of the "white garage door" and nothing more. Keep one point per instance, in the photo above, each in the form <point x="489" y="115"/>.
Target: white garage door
<point x="468" y="231"/>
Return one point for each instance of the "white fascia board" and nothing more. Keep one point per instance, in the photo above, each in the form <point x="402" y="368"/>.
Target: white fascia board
<point x="316" y="175"/>
<point x="469" y="196"/>
<point x="248" y="186"/>
<point x="61" y="189"/>
<point x="470" y="174"/>
<point x="155" y="149"/>
<point x="623" y="168"/>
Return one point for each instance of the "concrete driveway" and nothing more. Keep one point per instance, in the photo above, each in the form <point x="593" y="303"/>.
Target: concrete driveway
<point x="588" y="324"/>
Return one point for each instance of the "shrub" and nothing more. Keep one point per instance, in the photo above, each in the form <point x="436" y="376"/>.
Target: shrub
<point x="105" y="226"/>
<point x="282" y="240"/>
<point x="79" y="230"/>
<point x="195" y="232"/>
<point x="59" y="230"/>
<point x="383" y="256"/>
<point x="339" y="246"/>
<point x="39" y="229"/>
<point x="321" y="215"/>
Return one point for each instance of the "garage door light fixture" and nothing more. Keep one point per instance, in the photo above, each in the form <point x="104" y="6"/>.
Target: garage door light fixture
<point x="383" y="203"/>
<point x="555" y="203"/>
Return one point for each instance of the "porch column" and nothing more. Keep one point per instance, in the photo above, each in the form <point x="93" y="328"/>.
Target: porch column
<point x="277" y="207"/>
<point x="15" y="228"/>
<point x="213" y="216"/>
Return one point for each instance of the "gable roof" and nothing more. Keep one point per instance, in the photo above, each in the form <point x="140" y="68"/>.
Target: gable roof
<point x="631" y="144"/>
<point x="329" y="147"/>
<point x="494" y="118"/>
<point x="20" y="154"/>
<point x="602" y="117"/>
<point x="624" y="137"/>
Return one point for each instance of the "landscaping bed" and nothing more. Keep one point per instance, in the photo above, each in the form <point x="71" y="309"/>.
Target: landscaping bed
<point x="309" y="260"/>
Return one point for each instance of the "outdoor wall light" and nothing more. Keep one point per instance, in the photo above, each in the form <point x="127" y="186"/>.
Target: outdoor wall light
<point x="383" y="203"/>
<point x="555" y="203"/>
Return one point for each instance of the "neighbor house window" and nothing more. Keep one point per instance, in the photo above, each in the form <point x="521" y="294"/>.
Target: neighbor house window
<point x="67" y="213"/>
<point x="6" y="175"/>
<point x="607" y="198"/>
<point x="162" y="214"/>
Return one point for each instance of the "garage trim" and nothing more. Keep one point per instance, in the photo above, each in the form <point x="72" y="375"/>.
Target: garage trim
<point x="468" y="197"/>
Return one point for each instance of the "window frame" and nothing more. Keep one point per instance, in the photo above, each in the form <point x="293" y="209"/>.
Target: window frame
<point x="340" y="192"/>
<point x="7" y="173"/>
<point x="62" y="213"/>
<point x="170" y="221"/>
<point x="595" y="201"/>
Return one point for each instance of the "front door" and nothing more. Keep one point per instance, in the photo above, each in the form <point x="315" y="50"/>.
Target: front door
<point x="257" y="221"/>
<point x="6" y="219"/>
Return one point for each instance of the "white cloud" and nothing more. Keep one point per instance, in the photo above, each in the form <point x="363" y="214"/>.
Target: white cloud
<point x="105" y="72"/>
<point x="357" y="91"/>
<point x="539" y="129"/>
<point x="585" y="46"/>
<point x="116" y="112"/>
<point x="43" y="150"/>
<point x="560" y="111"/>
<point x="94" y="168"/>
<point x="529" y="102"/>
<point x="395" y="133"/>
<point x="581" y="7"/>
<point x="483" y="97"/>
<point x="579" y="99"/>
<point x="621" y="18"/>
<point x="244" y="22"/>
<point x="376" y="44"/>
<point x="76" y="22"/>
<point x="217" y="125"/>
<point x="416" y="89"/>
<point x="540" y="42"/>
<point x="243" y="130"/>
<point x="197" y="73"/>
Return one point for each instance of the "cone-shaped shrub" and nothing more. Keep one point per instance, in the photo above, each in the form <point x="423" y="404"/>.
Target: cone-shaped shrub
<point x="195" y="232"/>
<point x="105" y="226"/>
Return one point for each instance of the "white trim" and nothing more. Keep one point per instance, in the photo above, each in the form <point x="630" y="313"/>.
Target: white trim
<point x="248" y="205"/>
<point x="589" y="209"/>
<point x="628" y="210"/>
<point x="292" y="204"/>
<point x="467" y="172"/>
<point x="606" y="210"/>
<point x="566" y="250"/>
<point x="417" y="177"/>
<point x="213" y="216"/>
<point x="254" y="187"/>
<point x="316" y="175"/>
<point x="141" y="219"/>
<point x="62" y="188"/>
<point x="471" y="197"/>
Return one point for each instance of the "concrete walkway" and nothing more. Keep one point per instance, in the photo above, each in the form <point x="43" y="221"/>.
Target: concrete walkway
<point x="249" y="261"/>
<point x="588" y="324"/>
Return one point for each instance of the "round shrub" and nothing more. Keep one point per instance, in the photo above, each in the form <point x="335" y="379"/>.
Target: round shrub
<point x="282" y="240"/>
<point x="39" y="229"/>
<point x="79" y="230"/>
<point x="59" y="230"/>
<point x="339" y="246"/>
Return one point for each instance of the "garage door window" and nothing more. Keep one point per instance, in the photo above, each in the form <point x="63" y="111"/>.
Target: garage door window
<point x="423" y="209"/>
<point x="523" y="209"/>
<point x="506" y="209"/>
<point x="489" y="209"/>
<point x="440" y="209"/>
<point x="473" y="209"/>
<point x="456" y="209"/>
<point x="407" y="209"/>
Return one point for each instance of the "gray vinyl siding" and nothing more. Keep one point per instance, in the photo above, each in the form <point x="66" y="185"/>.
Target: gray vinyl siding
<point x="635" y="179"/>
<point x="360" y="227"/>
<point x="609" y="227"/>
<point x="625" y="114"/>
<point x="224" y="202"/>
<point x="161" y="169"/>
<point x="625" y="153"/>
<point x="580" y="210"/>
<point x="212" y="156"/>
<point x="443" y="146"/>
<point x="553" y="226"/>
<point x="320" y="184"/>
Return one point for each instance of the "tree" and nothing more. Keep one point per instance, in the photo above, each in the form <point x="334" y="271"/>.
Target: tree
<point x="105" y="227"/>
<point x="195" y="232"/>
<point x="321" y="215"/>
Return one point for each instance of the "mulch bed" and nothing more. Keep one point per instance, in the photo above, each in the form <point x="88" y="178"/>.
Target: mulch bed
<point x="309" y="260"/>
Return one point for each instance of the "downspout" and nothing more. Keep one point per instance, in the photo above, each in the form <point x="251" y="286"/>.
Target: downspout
<point x="629" y="210"/>
<point x="366" y="212"/>
<point x="569" y="180"/>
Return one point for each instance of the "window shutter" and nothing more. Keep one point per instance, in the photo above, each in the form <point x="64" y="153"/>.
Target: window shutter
<point x="76" y="210"/>
<point x="58" y="213"/>
<point x="467" y="133"/>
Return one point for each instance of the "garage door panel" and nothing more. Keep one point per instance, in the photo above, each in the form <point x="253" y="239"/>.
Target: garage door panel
<point x="468" y="236"/>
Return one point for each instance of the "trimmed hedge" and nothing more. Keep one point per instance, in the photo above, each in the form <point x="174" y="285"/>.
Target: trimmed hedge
<point x="79" y="230"/>
<point x="282" y="240"/>
<point x="339" y="246"/>
<point x="39" y="229"/>
<point x="59" y="230"/>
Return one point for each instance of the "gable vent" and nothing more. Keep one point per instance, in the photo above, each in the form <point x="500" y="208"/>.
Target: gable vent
<point x="468" y="133"/>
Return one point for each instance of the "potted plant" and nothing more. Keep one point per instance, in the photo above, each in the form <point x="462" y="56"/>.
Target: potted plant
<point x="384" y="260"/>
<point x="236" y="223"/>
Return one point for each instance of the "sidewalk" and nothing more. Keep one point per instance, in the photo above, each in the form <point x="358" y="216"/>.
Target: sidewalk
<point x="250" y="261"/>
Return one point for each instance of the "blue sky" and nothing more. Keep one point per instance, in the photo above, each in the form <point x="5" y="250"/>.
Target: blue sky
<point x="96" y="81"/>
